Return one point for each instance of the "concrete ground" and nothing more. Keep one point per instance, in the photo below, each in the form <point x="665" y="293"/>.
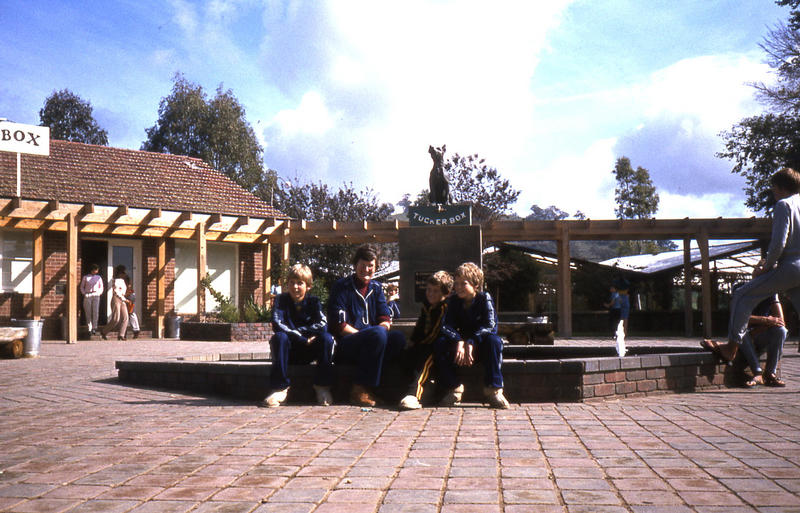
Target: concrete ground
<point x="74" y="439"/>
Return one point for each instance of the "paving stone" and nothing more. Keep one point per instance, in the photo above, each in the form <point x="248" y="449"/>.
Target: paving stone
<point x="709" y="452"/>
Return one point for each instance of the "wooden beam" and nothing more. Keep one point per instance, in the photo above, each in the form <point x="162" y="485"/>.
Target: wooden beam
<point x="702" y="242"/>
<point x="202" y="255"/>
<point x="72" y="279"/>
<point x="53" y="206"/>
<point x="38" y="273"/>
<point x="154" y="213"/>
<point x="161" y="285"/>
<point x="564" y="289"/>
<point x="688" y="321"/>
<point x="86" y="209"/>
<point x="240" y="221"/>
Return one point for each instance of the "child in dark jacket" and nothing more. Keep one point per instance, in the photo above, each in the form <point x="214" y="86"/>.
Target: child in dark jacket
<point x="301" y="336"/>
<point x="419" y="357"/>
<point x="470" y="333"/>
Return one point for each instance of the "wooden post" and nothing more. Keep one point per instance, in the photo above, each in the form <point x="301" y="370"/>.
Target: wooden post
<point x="161" y="285"/>
<point x="38" y="273"/>
<point x="564" y="290"/>
<point x="266" y="272"/>
<point x="201" y="268"/>
<point x="72" y="279"/>
<point x="702" y="241"/>
<point x="688" y="314"/>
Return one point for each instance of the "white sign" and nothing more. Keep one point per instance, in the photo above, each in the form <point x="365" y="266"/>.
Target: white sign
<point x="30" y="139"/>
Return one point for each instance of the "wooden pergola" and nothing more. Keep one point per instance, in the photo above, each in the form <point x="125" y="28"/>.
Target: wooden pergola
<point x="99" y="220"/>
<point x="88" y="219"/>
<point x="562" y="232"/>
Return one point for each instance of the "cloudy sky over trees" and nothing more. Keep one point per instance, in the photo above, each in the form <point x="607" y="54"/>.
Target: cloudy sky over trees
<point x="549" y="93"/>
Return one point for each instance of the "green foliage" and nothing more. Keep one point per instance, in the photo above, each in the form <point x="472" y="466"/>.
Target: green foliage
<point x="635" y="194"/>
<point x="253" y="312"/>
<point x="551" y="213"/>
<point x="226" y="307"/>
<point x="214" y="130"/>
<point x="70" y="119"/>
<point x="318" y="202"/>
<point x="473" y="182"/>
<point x="760" y="145"/>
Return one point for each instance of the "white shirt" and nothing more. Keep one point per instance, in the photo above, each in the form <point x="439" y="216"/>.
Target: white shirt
<point x="92" y="285"/>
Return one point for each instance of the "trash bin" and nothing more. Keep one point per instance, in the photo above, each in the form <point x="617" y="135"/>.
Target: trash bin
<point x="172" y="326"/>
<point x="33" y="340"/>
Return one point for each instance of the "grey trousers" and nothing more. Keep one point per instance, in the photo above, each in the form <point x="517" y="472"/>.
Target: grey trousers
<point x="785" y="277"/>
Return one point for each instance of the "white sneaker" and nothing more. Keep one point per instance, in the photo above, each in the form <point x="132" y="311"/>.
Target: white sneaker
<point x="496" y="398"/>
<point x="453" y="397"/>
<point x="324" y="396"/>
<point x="410" y="402"/>
<point x="275" y="399"/>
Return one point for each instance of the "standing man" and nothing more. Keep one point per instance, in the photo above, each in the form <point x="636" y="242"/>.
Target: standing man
<point x="359" y="318"/>
<point x="92" y="290"/>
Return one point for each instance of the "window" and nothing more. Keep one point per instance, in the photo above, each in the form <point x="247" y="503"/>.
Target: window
<point x="16" y="262"/>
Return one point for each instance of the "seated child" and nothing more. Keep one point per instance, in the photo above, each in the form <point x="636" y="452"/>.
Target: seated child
<point x="419" y="356"/>
<point x="469" y="332"/>
<point x="392" y="299"/>
<point x="300" y="337"/>
<point x="766" y="332"/>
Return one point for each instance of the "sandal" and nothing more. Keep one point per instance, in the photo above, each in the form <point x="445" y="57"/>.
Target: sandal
<point x="771" y="380"/>
<point x="716" y="348"/>
<point x="754" y="382"/>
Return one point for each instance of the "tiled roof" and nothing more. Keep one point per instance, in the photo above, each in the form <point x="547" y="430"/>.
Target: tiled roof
<point x="86" y="173"/>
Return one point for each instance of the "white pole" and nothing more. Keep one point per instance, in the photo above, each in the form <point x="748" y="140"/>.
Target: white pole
<point x="19" y="174"/>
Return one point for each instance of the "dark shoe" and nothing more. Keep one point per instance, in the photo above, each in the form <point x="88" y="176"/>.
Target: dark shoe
<point x="771" y="380"/>
<point x="121" y="338"/>
<point x="360" y="396"/>
<point x="104" y="336"/>
<point x="135" y="334"/>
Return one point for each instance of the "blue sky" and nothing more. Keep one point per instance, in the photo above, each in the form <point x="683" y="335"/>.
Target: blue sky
<point x="549" y="93"/>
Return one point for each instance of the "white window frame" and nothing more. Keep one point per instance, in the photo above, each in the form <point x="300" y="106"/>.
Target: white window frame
<point x="16" y="270"/>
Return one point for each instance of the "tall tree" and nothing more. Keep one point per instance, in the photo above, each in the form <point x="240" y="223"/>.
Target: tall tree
<point x="70" y="118"/>
<point x="214" y="130"/>
<point x="636" y="198"/>
<point x="635" y="194"/>
<point x="318" y="202"/>
<point x="475" y="183"/>
<point x="760" y="145"/>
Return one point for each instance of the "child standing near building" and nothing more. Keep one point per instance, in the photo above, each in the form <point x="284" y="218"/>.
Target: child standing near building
<point x="300" y="337"/>
<point x="419" y="356"/>
<point x="470" y="334"/>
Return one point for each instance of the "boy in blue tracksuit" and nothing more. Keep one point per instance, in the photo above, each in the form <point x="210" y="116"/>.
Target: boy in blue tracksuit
<point x="301" y="336"/>
<point x="470" y="334"/>
<point x="360" y="320"/>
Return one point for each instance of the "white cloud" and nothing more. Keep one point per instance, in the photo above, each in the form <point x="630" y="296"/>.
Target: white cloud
<point x="580" y="182"/>
<point x="311" y="117"/>
<point x="678" y="206"/>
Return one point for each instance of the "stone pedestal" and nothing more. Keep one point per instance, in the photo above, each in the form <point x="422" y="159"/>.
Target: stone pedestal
<point x="427" y="249"/>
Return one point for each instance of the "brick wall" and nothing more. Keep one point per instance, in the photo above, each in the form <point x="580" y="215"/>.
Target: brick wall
<point x="150" y="282"/>
<point x="249" y="273"/>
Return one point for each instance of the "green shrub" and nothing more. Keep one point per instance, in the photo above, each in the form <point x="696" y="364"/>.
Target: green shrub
<point x="253" y="312"/>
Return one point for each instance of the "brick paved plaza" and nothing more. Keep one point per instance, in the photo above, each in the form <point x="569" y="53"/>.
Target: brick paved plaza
<point x="74" y="439"/>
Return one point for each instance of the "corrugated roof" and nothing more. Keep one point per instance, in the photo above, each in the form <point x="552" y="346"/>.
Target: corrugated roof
<point x="649" y="264"/>
<point x="87" y="173"/>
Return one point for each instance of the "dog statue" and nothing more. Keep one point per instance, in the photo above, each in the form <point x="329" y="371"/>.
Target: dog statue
<point x="439" y="187"/>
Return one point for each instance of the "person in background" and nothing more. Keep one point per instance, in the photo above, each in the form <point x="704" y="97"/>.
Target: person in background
<point x="119" y="310"/>
<point x="392" y="298"/>
<point x="130" y="299"/>
<point x="92" y="290"/>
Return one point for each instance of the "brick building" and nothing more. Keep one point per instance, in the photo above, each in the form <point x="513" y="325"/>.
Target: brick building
<point x="171" y="220"/>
